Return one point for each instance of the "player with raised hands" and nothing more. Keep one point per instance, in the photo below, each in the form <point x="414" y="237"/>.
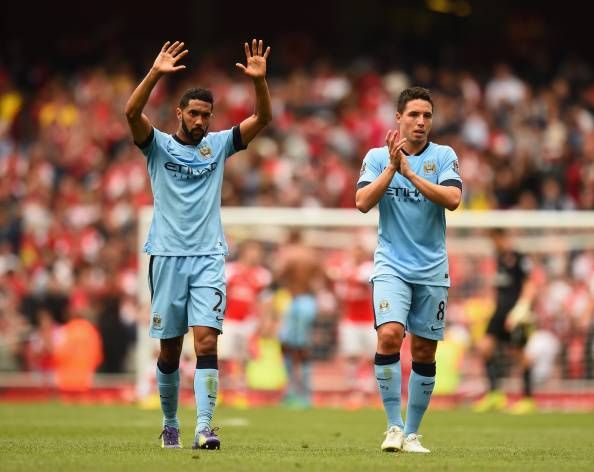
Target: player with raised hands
<point x="185" y="242"/>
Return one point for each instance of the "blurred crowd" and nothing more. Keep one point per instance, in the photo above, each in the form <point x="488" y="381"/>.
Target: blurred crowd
<point x="72" y="182"/>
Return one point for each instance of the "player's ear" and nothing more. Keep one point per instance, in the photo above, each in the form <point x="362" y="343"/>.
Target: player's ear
<point x="398" y="116"/>
<point x="178" y="112"/>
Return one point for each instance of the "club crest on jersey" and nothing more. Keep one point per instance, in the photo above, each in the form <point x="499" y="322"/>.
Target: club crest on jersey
<point x="429" y="168"/>
<point x="205" y="151"/>
<point x="156" y="319"/>
<point x="384" y="306"/>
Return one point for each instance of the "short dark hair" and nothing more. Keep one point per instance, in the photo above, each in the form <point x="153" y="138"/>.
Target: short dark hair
<point x="195" y="94"/>
<point x="413" y="93"/>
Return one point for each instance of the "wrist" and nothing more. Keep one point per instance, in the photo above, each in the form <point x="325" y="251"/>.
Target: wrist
<point x="392" y="168"/>
<point x="155" y="72"/>
<point x="411" y="176"/>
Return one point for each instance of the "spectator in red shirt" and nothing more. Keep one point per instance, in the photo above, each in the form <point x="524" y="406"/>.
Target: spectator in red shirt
<point x="246" y="280"/>
<point x="357" y="340"/>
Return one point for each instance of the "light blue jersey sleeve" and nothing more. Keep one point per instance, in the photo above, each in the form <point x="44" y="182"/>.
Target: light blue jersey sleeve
<point x="371" y="167"/>
<point x="449" y="172"/>
<point x="154" y="141"/>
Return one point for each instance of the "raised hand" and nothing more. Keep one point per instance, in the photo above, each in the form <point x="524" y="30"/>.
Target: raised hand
<point x="256" y="61"/>
<point x="395" y="145"/>
<point x="168" y="57"/>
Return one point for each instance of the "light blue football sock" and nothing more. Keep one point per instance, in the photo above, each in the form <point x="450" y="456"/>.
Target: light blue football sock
<point x="389" y="378"/>
<point x="290" y="369"/>
<point x="306" y="380"/>
<point x="420" y="388"/>
<point x="168" y="385"/>
<point x="206" y="386"/>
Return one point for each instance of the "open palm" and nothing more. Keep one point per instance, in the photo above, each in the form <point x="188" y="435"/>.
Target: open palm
<point x="168" y="57"/>
<point x="256" y="61"/>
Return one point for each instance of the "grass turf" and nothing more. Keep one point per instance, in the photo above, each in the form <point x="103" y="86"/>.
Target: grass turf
<point x="64" y="438"/>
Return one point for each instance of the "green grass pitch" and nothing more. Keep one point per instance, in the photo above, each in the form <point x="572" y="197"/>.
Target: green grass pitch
<point x="55" y="437"/>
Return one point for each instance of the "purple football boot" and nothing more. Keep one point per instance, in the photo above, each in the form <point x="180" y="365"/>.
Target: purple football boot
<point x="207" y="439"/>
<point x="170" y="438"/>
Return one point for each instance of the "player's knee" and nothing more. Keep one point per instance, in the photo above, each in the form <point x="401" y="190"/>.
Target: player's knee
<point x="205" y="340"/>
<point x="206" y="345"/>
<point x="486" y="346"/>
<point x="424" y="352"/>
<point x="169" y="355"/>
<point x="389" y="337"/>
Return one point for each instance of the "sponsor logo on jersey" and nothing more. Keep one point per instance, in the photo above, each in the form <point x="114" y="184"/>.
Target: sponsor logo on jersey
<point x="405" y="194"/>
<point x="156" y="319"/>
<point x="429" y="168"/>
<point x="182" y="171"/>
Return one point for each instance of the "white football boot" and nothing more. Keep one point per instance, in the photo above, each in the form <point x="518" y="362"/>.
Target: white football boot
<point x="412" y="444"/>
<point x="394" y="439"/>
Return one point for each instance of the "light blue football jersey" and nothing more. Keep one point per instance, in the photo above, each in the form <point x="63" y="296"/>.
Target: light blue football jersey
<point x="412" y="229"/>
<point x="186" y="181"/>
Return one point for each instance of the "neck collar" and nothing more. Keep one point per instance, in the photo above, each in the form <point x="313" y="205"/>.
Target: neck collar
<point x="418" y="153"/>
<point x="183" y="143"/>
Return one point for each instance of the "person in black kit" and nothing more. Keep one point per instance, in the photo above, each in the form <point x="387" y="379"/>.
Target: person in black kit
<point x="509" y="325"/>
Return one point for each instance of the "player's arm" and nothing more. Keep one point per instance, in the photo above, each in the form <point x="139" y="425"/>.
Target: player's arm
<point x="522" y="312"/>
<point x="256" y="70"/>
<point x="165" y="63"/>
<point x="444" y="195"/>
<point x="368" y="196"/>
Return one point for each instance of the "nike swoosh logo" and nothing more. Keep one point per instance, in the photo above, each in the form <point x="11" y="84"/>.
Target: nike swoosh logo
<point x="379" y="378"/>
<point x="436" y="329"/>
<point x="212" y="396"/>
<point x="426" y="384"/>
<point x="219" y="319"/>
